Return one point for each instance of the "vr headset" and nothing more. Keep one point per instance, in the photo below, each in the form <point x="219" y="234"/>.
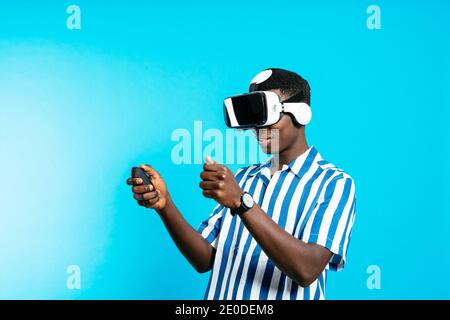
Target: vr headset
<point x="263" y="108"/>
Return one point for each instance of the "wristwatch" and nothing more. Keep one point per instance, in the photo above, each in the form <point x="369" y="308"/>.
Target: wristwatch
<point x="246" y="204"/>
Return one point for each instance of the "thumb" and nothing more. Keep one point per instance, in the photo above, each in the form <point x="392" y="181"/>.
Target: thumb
<point x="209" y="160"/>
<point x="149" y="170"/>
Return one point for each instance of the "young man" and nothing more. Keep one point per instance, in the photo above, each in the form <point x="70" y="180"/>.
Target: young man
<point x="278" y="227"/>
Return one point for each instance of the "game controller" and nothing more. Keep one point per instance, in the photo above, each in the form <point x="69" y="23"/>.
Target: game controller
<point x="137" y="172"/>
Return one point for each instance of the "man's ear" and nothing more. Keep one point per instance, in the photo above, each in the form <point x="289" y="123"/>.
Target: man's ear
<point x="293" y="120"/>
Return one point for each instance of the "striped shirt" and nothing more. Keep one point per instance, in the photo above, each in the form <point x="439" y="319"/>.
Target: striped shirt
<point x="311" y="199"/>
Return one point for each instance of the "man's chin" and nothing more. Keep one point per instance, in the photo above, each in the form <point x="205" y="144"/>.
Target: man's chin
<point x="268" y="148"/>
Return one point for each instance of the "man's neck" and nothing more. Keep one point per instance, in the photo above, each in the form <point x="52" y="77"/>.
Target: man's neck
<point x="286" y="156"/>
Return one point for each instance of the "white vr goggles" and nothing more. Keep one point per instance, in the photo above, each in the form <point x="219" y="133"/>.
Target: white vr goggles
<point x="262" y="108"/>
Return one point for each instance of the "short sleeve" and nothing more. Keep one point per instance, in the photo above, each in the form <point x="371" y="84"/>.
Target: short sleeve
<point x="331" y="221"/>
<point x="210" y="228"/>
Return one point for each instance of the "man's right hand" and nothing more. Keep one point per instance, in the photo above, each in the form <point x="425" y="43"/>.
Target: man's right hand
<point x="153" y="195"/>
<point x="191" y="243"/>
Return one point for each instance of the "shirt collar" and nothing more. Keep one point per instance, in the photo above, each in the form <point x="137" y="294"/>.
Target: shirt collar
<point x="294" y="166"/>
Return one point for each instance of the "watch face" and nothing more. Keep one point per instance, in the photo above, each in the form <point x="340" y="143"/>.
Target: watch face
<point x="247" y="200"/>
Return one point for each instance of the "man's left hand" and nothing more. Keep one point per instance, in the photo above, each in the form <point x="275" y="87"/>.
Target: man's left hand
<point x="219" y="183"/>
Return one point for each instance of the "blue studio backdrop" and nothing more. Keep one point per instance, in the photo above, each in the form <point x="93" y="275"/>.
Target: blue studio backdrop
<point x="84" y="98"/>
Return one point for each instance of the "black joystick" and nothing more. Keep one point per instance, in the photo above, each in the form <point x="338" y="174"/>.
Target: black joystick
<point x="137" y="172"/>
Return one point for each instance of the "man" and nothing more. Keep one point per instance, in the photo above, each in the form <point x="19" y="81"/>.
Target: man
<point x="278" y="227"/>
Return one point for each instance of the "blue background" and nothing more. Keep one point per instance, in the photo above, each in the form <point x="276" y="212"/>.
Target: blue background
<point x="78" y="108"/>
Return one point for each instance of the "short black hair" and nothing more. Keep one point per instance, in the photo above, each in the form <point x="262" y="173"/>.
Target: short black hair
<point x="288" y="82"/>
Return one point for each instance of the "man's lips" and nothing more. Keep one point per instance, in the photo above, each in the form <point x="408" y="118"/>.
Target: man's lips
<point x="263" y="138"/>
<point x="264" y="141"/>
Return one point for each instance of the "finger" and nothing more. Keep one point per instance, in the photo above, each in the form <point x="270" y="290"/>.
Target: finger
<point x="208" y="176"/>
<point x="150" y="195"/>
<point x="213" y="175"/>
<point x="148" y="203"/>
<point x="142" y="203"/>
<point x="146" y="196"/>
<point x="152" y="202"/>
<point x="143" y="188"/>
<point x="221" y="175"/>
<point x="212" y="167"/>
<point x="134" y="181"/>
<point x="208" y="193"/>
<point x="210" y="185"/>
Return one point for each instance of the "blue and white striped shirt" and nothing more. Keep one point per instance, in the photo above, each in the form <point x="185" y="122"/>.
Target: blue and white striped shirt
<point x="311" y="199"/>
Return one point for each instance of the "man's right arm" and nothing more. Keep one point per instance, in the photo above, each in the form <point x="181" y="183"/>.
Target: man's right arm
<point x="192" y="245"/>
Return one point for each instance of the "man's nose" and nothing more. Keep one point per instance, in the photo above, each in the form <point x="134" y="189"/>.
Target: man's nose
<point x="264" y="131"/>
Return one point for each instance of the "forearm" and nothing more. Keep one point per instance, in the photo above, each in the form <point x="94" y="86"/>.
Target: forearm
<point x="299" y="260"/>
<point x="191" y="244"/>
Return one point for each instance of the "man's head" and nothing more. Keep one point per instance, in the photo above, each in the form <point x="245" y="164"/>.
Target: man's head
<point x="285" y="84"/>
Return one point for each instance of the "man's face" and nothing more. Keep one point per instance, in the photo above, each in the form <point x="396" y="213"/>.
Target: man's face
<point x="279" y="136"/>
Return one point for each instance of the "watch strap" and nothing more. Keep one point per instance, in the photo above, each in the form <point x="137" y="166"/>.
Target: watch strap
<point x="241" y="209"/>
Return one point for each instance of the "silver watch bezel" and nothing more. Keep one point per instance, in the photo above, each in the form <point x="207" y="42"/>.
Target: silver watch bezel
<point x="247" y="200"/>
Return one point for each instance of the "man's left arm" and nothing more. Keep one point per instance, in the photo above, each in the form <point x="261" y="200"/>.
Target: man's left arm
<point x="303" y="262"/>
